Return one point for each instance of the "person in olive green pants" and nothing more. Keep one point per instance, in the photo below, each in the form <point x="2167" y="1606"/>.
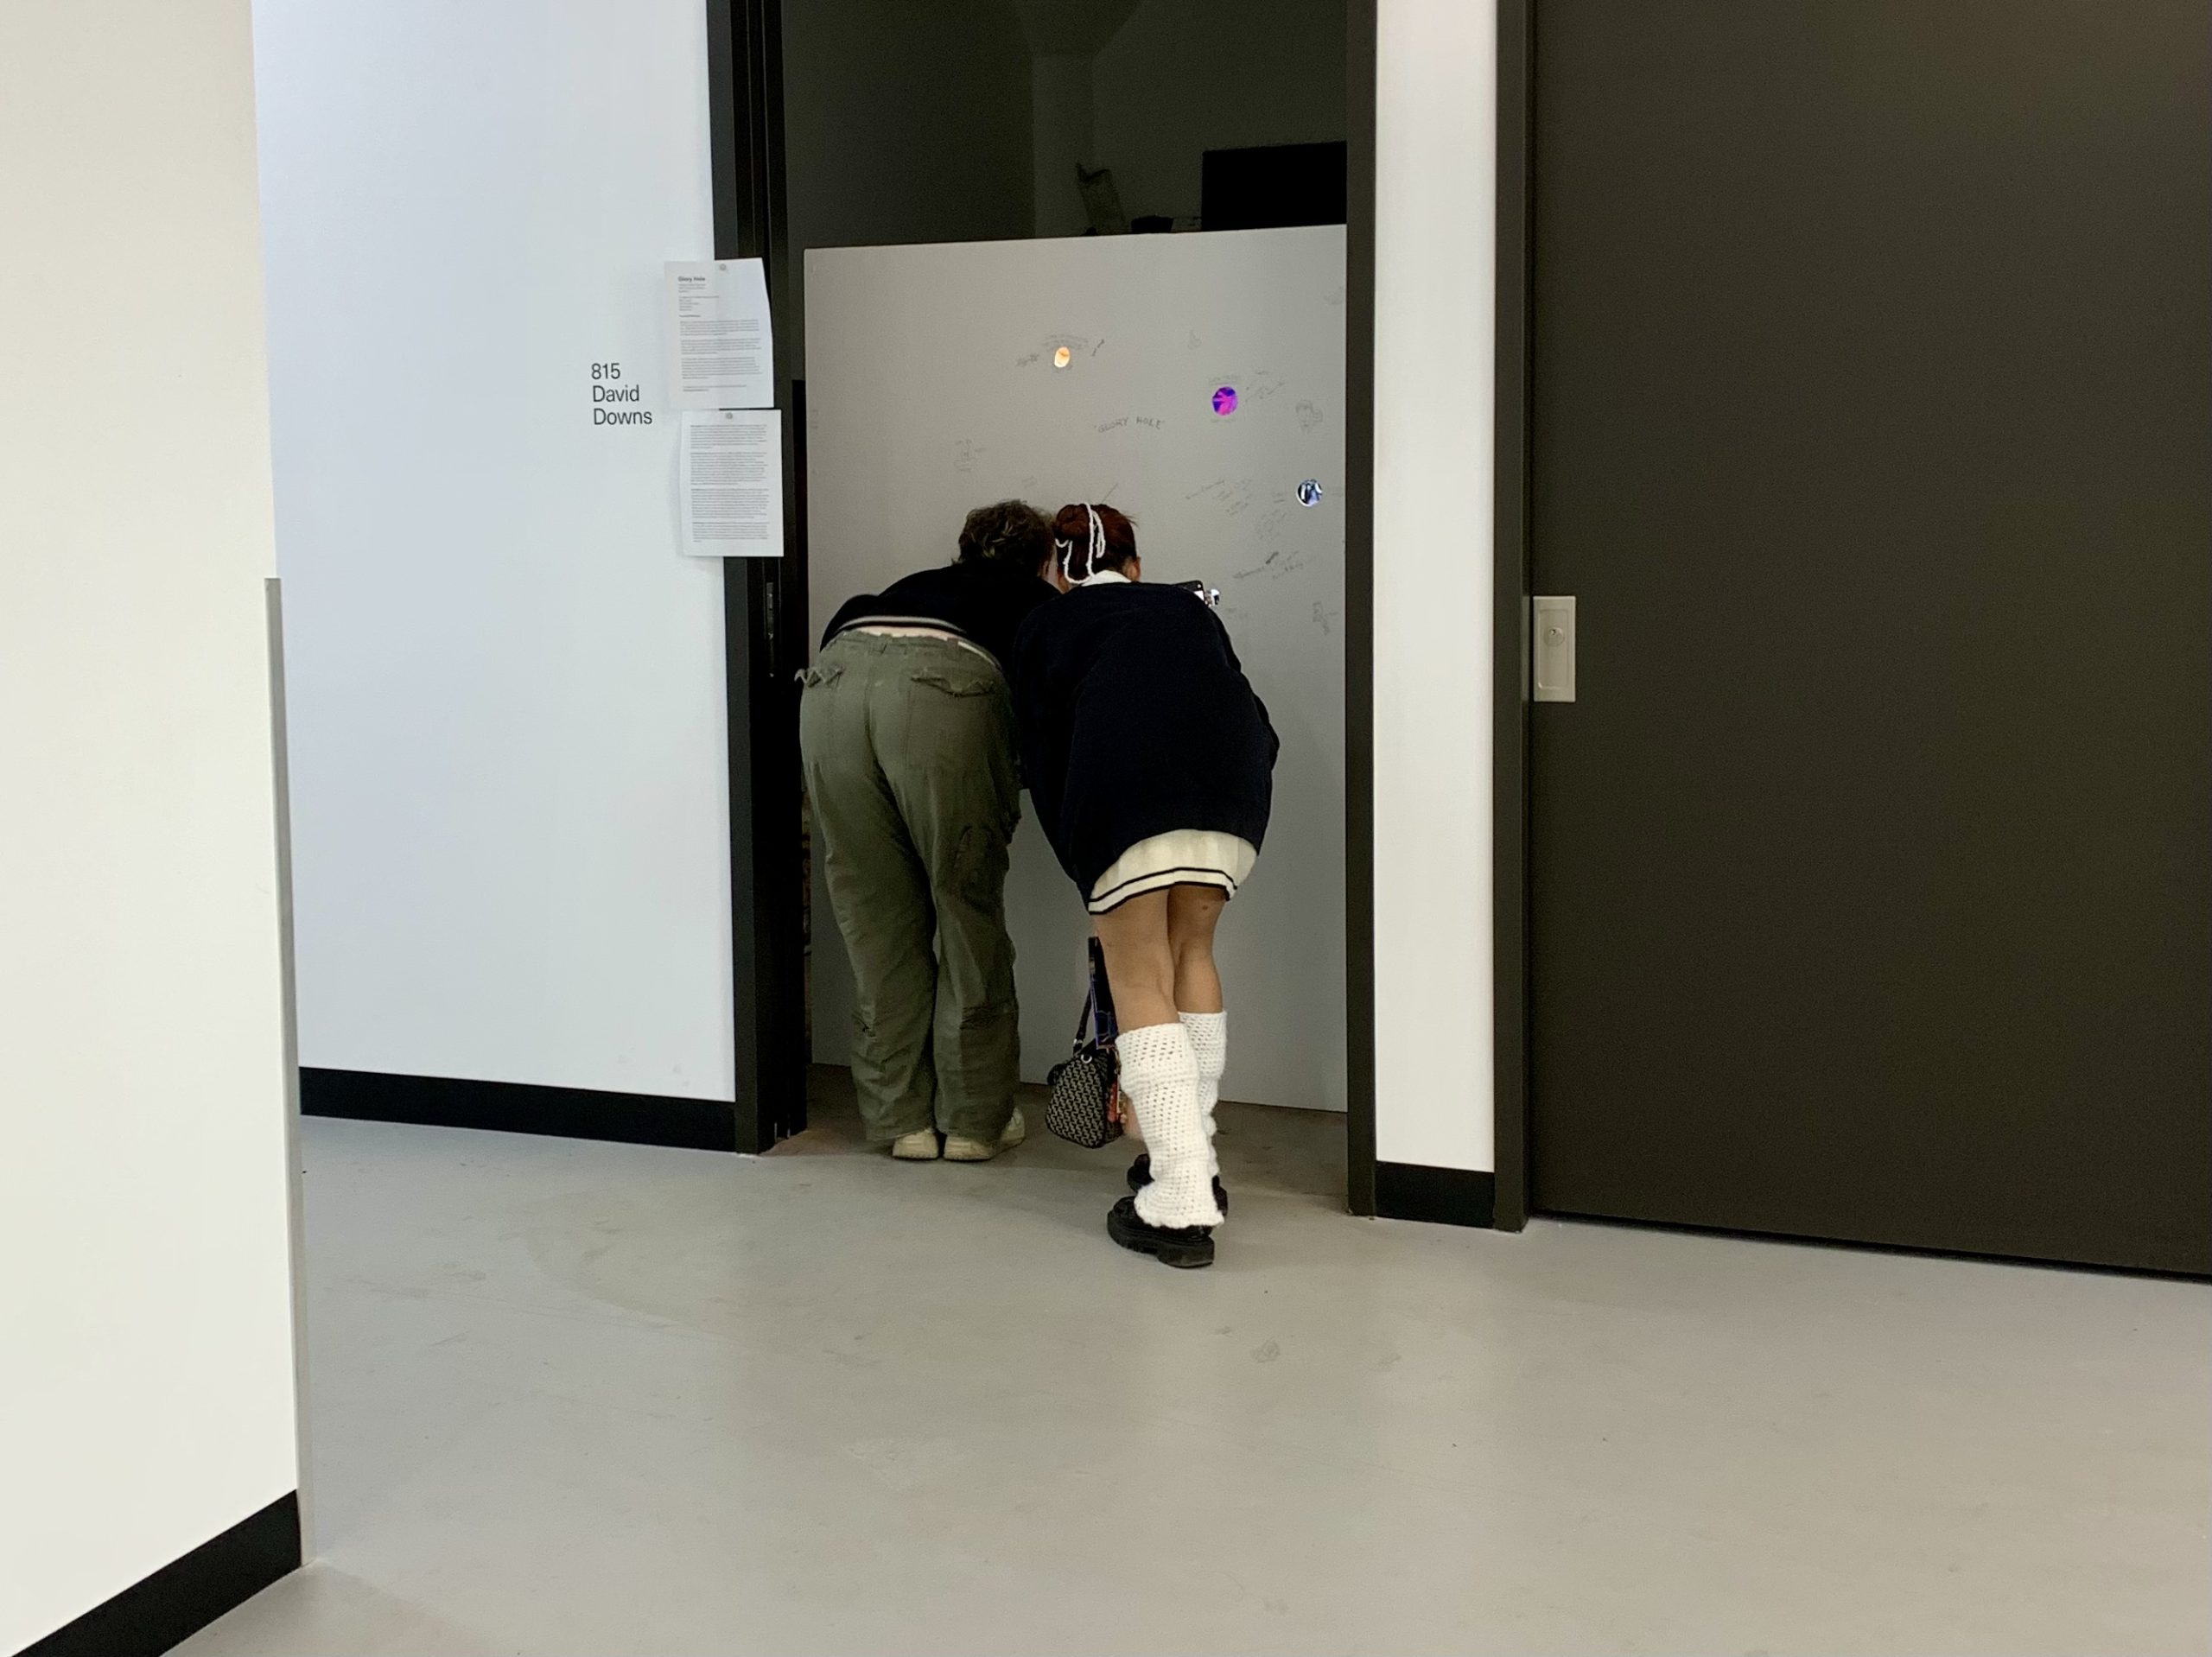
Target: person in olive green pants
<point x="906" y="729"/>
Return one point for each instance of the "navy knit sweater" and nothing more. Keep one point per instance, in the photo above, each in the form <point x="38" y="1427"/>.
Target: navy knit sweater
<point x="1134" y="719"/>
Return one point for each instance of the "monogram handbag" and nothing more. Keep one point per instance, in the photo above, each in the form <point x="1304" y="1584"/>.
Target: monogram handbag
<point x="1085" y="1107"/>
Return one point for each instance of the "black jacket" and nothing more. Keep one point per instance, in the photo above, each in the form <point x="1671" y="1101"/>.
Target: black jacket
<point x="1135" y="720"/>
<point x="982" y="599"/>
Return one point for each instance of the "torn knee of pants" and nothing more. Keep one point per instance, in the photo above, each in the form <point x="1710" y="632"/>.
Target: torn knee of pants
<point x="978" y="864"/>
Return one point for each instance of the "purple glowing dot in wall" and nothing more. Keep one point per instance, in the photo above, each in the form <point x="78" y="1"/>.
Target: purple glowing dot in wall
<point x="1224" y="400"/>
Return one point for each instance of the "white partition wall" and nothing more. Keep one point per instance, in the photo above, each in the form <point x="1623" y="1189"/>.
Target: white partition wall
<point x="1435" y="194"/>
<point x="146" y="1383"/>
<point x="932" y="389"/>
<point x="509" y="761"/>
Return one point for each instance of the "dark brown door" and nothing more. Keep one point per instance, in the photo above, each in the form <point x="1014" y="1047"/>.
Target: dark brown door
<point x="1871" y="428"/>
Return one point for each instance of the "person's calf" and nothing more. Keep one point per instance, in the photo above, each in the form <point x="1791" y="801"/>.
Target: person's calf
<point x="1140" y="965"/>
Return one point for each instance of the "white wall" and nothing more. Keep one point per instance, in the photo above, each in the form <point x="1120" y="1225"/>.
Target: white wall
<point x="509" y="773"/>
<point x="1182" y="77"/>
<point x="146" y="1398"/>
<point x="1435" y="192"/>
<point x="933" y="392"/>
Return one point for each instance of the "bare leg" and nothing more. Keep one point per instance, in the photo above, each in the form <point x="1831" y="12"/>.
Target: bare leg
<point x="1160" y="1071"/>
<point x="1140" y="961"/>
<point x="1192" y="912"/>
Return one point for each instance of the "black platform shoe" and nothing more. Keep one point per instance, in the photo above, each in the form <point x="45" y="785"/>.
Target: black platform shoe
<point x="1140" y="1177"/>
<point x="1188" y="1247"/>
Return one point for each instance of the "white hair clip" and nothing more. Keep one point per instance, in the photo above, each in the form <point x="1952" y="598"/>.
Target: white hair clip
<point x="1094" y="555"/>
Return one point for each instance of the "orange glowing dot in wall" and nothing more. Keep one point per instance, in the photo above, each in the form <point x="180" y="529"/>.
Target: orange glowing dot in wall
<point x="1062" y="357"/>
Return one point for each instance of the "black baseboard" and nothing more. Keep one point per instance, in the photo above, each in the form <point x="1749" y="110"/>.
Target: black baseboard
<point x="183" y="1598"/>
<point x="1451" y="1197"/>
<point x="518" y="1108"/>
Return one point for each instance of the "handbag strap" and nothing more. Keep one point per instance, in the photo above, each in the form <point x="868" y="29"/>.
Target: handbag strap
<point x="1102" y="996"/>
<point x="1083" y="1019"/>
<point x="1096" y="1019"/>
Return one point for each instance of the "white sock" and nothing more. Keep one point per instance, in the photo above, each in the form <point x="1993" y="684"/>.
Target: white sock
<point x="1160" y="1075"/>
<point x="1210" y="1046"/>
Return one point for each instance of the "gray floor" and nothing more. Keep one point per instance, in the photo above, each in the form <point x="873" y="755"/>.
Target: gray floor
<point x="585" y="1399"/>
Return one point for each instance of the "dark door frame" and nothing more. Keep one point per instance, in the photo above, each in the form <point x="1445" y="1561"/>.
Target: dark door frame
<point x="1508" y="619"/>
<point x="1360" y="1195"/>
<point x="764" y="609"/>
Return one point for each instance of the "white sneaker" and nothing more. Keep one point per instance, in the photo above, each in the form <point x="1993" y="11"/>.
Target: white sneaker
<point x="920" y="1146"/>
<point x="959" y="1149"/>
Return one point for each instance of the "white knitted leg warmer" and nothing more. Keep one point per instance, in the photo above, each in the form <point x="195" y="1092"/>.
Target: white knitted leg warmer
<point x="1210" y="1046"/>
<point x="1160" y="1075"/>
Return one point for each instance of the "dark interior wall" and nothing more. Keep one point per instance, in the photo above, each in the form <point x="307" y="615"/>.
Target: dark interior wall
<point x="905" y="121"/>
<point x="911" y="122"/>
<point x="1180" y="77"/>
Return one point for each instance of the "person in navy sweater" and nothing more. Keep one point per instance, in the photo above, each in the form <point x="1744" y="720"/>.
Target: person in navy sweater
<point x="1150" y="763"/>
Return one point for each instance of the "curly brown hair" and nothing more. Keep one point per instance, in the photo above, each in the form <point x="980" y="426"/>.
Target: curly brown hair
<point x="1006" y="531"/>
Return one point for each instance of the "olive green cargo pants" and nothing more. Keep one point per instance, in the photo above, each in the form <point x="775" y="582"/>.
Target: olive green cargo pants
<point x="908" y="746"/>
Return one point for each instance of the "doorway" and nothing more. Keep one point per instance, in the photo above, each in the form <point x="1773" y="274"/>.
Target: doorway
<point x="1104" y="127"/>
<point x="1870" y="424"/>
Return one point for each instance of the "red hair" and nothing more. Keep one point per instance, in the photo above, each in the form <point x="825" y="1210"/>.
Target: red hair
<point x="1087" y="537"/>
